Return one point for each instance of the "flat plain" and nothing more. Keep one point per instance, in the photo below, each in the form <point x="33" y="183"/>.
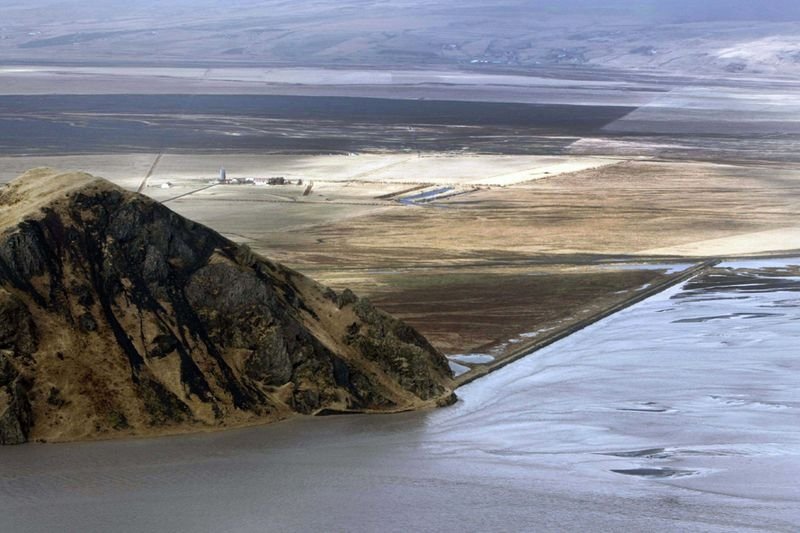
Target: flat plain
<point x="507" y="249"/>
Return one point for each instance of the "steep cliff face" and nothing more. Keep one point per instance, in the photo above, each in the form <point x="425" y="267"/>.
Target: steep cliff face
<point x="118" y="316"/>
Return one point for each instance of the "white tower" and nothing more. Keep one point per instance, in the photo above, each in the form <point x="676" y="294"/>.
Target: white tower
<point x="223" y="177"/>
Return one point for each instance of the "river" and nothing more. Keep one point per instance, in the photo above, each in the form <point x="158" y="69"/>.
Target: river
<point x="681" y="413"/>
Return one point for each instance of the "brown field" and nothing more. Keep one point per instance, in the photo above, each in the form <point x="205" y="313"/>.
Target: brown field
<point x="620" y="210"/>
<point x="478" y="269"/>
<point x="493" y="267"/>
<point x="492" y="310"/>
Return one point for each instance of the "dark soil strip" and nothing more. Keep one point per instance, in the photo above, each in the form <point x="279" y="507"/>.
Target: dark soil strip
<point x="530" y="348"/>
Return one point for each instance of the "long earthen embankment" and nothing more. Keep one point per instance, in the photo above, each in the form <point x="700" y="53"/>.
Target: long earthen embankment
<point x="556" y="335"/>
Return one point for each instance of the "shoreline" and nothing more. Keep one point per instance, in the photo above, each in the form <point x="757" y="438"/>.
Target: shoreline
<point x="530" y="348"/>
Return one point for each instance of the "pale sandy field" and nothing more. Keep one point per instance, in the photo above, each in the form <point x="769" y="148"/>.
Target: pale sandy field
<point x="519" y="205"/>
<point x="390" y="169"/>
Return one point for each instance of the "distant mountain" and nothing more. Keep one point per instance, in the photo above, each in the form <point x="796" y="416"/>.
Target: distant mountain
<point x="119" y="317"/>
<point x="678" y="36"/>
<point x="726" y="10"/>
<point x="649" y="11"/>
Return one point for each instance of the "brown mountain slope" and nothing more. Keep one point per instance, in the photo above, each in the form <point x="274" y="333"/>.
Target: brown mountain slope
<point x="119" y="317"/>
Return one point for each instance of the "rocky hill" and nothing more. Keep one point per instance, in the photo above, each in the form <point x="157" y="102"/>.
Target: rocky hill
<point x="119" y="317"/>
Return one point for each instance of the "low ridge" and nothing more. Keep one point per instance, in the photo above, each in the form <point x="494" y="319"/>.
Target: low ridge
<point x="120" y="317"/>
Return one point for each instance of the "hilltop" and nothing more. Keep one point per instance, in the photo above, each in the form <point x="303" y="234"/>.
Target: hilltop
<point x="120" y="317"/>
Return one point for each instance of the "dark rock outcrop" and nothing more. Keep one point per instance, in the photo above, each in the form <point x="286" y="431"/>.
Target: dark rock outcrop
<point x="144" y="322"/>
<point x="16" y="418"/>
